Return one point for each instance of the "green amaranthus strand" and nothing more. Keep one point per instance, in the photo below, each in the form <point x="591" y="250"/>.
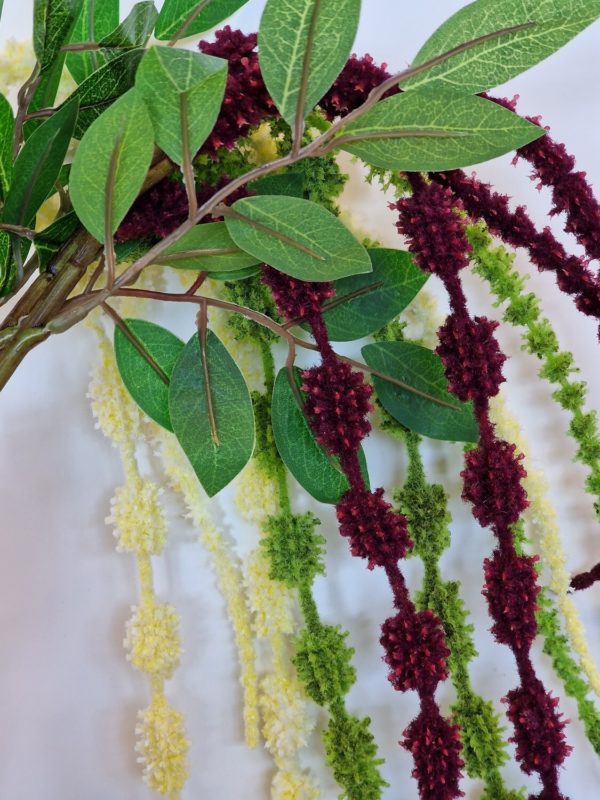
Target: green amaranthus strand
<point x="295" y="551"/>
<point x="495" y="265"/>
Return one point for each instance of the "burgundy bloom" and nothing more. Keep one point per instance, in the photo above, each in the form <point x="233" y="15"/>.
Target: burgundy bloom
<point x="375" y="531"/>
<point x="538" y="728"/>
<point x="471" y="355"/>
<point x="516" y="228"/>
<point x="296" y="298"/>
<point x="435" y="233"/>
<point x="352" y="87"/>
<point x="492" y="483"/>
<point x="511" y="591"/>
<point x="415" y="650"/>
<point x="586" y="579"/>
<point x="435" y="745"/>
<point x="337" y="405"/>
<point x="246" y="102"/>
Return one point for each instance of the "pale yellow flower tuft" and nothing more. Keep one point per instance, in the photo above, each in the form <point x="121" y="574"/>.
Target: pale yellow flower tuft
<point x="163" y="747"/>
<point x="139" y="521"/>
<point x="293" y="786"/>
<point x="152" y="639"/>
<point x="286" y="725"/>
<point x="16" y="62"/>
<point x="270" y="601"/>
<point x="117" y="416"/>
<point x="256" y="496"/>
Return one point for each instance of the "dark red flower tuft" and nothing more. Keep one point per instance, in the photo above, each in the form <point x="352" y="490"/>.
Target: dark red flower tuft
<point x="538" y="728"/>
<point x="296" y="298"/>
<point x="246" y="102"/>
<point x="492" y="483"/>
<point x="435" y="232"/>
<point x="471" y="355"/>
<point x="435" y="745"/>
<point x="352" y="87"/>
<point x="337" y="405"/>
<point x="157" y="212"/>
<point x="573" y="276"/>
<point x="511" y="591"/>
<point x="374" y="530"/>
<point x="416" y="650"/>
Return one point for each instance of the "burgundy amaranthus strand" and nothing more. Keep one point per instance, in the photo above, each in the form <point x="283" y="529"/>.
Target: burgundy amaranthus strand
<point x="337" y="405"/>
<point x="517" y="229"/>
<point x="492" y="476"/>
<point x="572" y="195"/>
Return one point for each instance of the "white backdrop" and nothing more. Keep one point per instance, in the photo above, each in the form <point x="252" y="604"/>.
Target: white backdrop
<point x="68" y="698"/>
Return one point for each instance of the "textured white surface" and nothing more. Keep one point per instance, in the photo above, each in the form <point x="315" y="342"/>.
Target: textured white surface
<point x="68" y="698"/>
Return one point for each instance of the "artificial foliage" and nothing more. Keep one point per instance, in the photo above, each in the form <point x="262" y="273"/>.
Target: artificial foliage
<point x="139" y="171"/>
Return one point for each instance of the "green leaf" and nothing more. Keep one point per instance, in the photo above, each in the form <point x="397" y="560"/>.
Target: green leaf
<point x="375" y="298"/>
<point x="297" y="237"/>
<point x="45" y="94"/>
<point x="303" y="46"/>
<point x="236" y="275"/>
<point x="96" y="20"/>
<point x="133" y="32"/>
<point x="435" y="130"/>
<point x="179" y="18"/>
<point x="200" y="244"/>
<point x="215" y="463"/>
<point x="49" y="241"/>
<point x="143" y="383"/>
<point x="131" y="250"/>
<point x="314" y="469"/>
<point x="422" y="370"/>
<point x="38" y="165"/>
<point x="120" y="141"/>
<point x="500" y="59"/>
<point x="104" y="86"/>
<point x="7" y="124"/>
<point x="7" y="266"/>
<point x="53" y="21"/>
<point x="287" y="183"/>
<point x="183" y="92"/>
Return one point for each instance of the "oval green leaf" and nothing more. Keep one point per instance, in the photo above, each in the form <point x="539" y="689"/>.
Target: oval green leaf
<point x="216" y="462"/>
<point x="183" y="92"/>
<point x="117" y="144"/>
<point x="53" y="21"/>
<point x="371" y="301"/>
<point x="297" y="237"/>
<point x="314" y="469"/>
<point x="38" y="165"/>
<point x="500" y="59"/>
<point x="286" y="183"/>
<point x="7" y="265"/>
<point x="435" y="130"/>
<point x="141" y="380"/>
<point x="104" y="86"/>
<point x="200" y="249"/>
<point x="96" y="20"/>
<point x="7" y="124"/>
<point x="303" y="46"/>
<point x="422" y="370"/>
<point x="133" y="32"/>
<point x="180" y="18"/>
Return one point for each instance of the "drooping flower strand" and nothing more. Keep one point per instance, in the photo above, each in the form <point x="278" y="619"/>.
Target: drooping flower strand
<point x="152" y="633"/>
<point x="516" y="228"/>
<point x="337" y="404"/>
<point x="290" y="558"/>
<point x="426" y="510"/>
<point x="572" y="195"/>
<point x="492" y="475"/>
<point x="495" y="265"/>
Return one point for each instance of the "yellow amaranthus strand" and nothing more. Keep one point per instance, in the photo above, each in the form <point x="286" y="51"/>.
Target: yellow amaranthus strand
<point x="152" y="633"/>
<point x="286" y="723"/>
<point x="226" y="566"/>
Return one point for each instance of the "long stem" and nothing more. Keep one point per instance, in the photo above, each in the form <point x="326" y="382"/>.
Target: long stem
<point x="23" y="99"/>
